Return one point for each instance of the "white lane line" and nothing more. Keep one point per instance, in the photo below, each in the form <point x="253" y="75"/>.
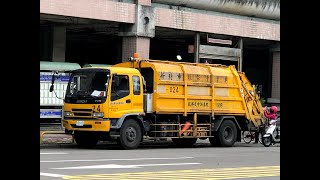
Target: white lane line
<point x="53" y="153"/>
<point x="94" y="160"/>
<point x="105" y="166"/>
<point x="51" y="175"/>
<point x="112" y="166"/>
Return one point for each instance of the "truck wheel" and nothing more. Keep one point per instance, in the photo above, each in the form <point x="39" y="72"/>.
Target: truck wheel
<point x="85" y="140"/>
<point x="130" y="134"/>
<point x="226" y="135"/>
<point x="184" y="142"/>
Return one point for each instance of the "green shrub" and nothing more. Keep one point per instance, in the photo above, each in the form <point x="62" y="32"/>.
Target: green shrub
<point x="263" y="101"/>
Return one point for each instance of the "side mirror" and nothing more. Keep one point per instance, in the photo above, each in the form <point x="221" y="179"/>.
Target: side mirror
<point x="52" y="81"/>
<point x="53" y="78"/>
<point x="51" y="87"/>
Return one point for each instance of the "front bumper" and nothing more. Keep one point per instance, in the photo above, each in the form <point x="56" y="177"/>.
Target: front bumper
<point x="88" y="125"/>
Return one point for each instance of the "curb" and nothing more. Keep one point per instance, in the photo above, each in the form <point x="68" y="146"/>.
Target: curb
<point x="55" y="137"/>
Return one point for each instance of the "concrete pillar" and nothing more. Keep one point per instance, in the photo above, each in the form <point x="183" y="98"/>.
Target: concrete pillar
<point x="59" y="44"/>
<point x="131" y="45"/>
<point x="241" y="55"/>
<point x="144" y="2"/>
<point x="45" y="43"/>
<point x="136" y="37"/>
<point x="275" y="90"/>
<point x="196" y="47"/>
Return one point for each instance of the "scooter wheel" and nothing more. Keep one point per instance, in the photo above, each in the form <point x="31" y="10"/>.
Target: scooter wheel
<point x="266" y="141"/>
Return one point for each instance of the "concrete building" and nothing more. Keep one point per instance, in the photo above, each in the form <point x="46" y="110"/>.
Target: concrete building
<point x="245" y="33"/>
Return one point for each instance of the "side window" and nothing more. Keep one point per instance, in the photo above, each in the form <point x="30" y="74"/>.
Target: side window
<point x="136" y="85"/>
<point x="122" y="90"/>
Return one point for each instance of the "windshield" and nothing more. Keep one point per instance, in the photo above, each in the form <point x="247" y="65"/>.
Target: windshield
<point x="88" y="85"/>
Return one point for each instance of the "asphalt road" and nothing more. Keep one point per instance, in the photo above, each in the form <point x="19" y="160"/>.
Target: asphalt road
<point x="160" y="161"/>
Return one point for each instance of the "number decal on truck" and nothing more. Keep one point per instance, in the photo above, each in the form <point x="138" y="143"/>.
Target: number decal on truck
<point x="174" y="89"/>
<point x="94" y="108"/>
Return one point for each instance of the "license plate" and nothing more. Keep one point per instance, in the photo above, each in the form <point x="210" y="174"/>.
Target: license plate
<point x="80" y="123"/>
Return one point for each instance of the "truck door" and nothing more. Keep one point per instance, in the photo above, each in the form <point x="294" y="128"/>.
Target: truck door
<point x="137" y="96"/>
<point x="121" y="97"/>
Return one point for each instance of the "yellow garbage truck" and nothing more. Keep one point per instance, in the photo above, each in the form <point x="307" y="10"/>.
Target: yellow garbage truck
<point x="160" y="100"/>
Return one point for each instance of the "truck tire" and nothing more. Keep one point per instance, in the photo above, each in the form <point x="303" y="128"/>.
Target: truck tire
<point x="184" y="142"/>
<point x="226" y="135"/>
<point x="130" y="134"/>
<point x="85" y="140"/>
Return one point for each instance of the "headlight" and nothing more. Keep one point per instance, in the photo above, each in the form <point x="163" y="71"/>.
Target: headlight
<point x="67" y="113"/>
<point x="98" y="114"/>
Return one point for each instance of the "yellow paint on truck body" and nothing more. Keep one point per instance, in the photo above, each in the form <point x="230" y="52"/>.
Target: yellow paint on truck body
<point x="200" y="88"/>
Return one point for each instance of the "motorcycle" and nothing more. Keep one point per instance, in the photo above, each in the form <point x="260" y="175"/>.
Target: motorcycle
<point x="272" y="135"/>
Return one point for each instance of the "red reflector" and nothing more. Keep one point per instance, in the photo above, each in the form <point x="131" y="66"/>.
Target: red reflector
<point x="97" y="122"/>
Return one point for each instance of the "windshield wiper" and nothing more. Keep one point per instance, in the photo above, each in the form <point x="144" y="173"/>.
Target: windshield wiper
<point x="95" y="97"/>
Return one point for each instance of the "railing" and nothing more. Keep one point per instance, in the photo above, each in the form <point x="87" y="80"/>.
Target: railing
<point x="202" y="130"/>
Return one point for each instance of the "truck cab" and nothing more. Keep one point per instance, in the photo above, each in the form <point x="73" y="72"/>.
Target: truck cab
<point x="97" y="99"/>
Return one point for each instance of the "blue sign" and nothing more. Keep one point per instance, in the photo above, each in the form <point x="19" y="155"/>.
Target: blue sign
<point x="50" y="113"/>
<point x="62" y="78"/>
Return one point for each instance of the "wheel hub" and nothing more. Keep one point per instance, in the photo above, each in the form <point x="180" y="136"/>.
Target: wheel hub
<point x="227" y="133"/>
<point x="131" y="134"/>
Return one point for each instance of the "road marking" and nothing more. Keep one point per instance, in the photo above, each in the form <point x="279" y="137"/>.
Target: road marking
<point x="53" y="153"/>
<point x="208" y="174"/>
<point x="92" y="160"/>
<point x="51" y="175"/>
<point x="111" y="166"/>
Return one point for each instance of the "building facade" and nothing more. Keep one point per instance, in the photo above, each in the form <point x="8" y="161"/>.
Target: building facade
<point x="244" y="33"/>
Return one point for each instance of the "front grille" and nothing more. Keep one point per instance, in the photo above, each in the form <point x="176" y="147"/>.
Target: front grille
<point x="81" y="114"/>
<point x="82" y="110"/>
<point x="84" y="126"/>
